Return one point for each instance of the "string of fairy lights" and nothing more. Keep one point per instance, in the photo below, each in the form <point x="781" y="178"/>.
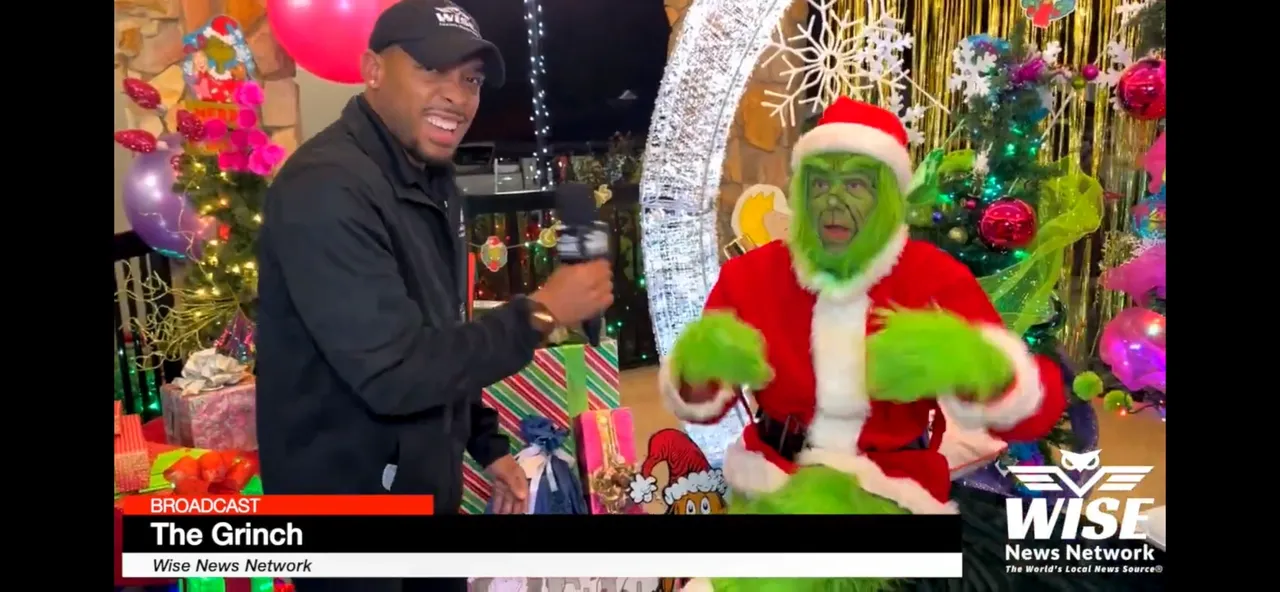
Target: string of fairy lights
<point x="537" y="72"/>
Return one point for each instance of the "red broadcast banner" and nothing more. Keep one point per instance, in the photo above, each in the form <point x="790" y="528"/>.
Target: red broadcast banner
<point x="280" y="505"/>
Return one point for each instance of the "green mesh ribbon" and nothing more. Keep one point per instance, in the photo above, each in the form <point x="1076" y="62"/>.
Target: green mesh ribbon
<point x="1070" y="208"/>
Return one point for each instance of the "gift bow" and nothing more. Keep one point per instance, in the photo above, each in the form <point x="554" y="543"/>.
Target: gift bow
<point x="211" y="472"/>
<point x="208" y="370"/>
<point x="544" y="440"/>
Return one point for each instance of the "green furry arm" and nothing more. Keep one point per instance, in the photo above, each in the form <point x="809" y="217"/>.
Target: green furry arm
<point x="720" y="348"/>
<point x="920" y="354"/>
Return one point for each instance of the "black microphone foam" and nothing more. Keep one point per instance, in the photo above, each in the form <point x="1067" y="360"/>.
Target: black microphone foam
<point x="583" y="237"/>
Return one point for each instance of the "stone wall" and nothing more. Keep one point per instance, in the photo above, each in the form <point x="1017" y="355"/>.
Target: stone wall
<point x="759" y="146"/>
<point x="148" y="45"/>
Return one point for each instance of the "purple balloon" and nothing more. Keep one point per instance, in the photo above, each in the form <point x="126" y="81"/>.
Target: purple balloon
<point x="1133" y="345"/>
<point x="163" y="219"/>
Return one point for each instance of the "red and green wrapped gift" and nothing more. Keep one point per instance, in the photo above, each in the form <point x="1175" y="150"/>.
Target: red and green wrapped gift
<point x="561" y="383"/>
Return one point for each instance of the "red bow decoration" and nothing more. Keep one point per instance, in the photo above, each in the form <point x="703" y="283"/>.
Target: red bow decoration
<point x="282" y="586"/>
<point x="212" y="472"/>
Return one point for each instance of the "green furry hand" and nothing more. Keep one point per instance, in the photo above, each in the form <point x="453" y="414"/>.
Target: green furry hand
<point x="922" y="353"/>
<point x="720" y="348"/>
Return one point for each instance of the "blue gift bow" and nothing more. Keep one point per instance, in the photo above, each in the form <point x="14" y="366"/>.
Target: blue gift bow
<point x="540" y="432"/>
<point x="545" y="439"/>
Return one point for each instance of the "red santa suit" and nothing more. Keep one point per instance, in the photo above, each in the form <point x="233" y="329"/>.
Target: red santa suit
<point x="815" y="339"/>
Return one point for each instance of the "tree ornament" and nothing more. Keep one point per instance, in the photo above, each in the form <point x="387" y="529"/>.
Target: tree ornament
<point x="142" y="94"/>
<point x="1090" y="72"/>
<point x="190" y="126"/>
<point x="493" y="254"/>
<point x="1078" y="82"/>
<point x="970" y="204"/>
<point x="547" y="238"/>
<point x="1007" y="224"/>
<point x="958" y="234"/>
<point x="1141" y="89"/>
<point x="137" y="140"/>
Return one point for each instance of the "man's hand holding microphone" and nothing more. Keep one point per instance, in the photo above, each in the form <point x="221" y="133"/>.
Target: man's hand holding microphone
<point x="577" y="294"/>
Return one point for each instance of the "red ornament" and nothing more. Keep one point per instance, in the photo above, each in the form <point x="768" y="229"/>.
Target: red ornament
<point x="1007" y="224"/>
<point x="190" y="126"/>
<point x="1140" y="89"/>
<point x="970" y="203"/>
<point x="141" y="141"/>
<point x="224" y="232"/>
<point x="144" y="95"/>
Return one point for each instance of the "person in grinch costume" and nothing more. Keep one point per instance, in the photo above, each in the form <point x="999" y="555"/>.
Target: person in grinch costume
<point x="856" y="342"/>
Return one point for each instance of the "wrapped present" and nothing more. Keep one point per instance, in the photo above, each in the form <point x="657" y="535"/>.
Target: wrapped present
<point x="553" y="479"/>
<point x="211" y="405"/>
<point x="607" y="451"/>
<point x="133" y="465"/>
<point x="560" y="383"/>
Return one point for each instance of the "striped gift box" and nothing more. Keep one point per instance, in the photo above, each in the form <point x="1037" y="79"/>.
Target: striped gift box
<point x="541" y="389"/>
<point x="133" y="465"/>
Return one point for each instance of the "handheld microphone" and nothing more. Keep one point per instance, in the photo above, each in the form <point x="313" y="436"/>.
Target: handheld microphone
<point x="583" y="238"/>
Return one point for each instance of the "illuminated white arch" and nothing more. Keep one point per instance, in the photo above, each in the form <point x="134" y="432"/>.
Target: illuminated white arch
<point x="705" y="77"/>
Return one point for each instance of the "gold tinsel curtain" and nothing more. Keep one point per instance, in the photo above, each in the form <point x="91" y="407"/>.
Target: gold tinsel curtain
<point x="1106" y="143"/>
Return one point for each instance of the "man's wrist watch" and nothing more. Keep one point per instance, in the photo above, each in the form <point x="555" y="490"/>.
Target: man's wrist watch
<point x="541" y="318"/>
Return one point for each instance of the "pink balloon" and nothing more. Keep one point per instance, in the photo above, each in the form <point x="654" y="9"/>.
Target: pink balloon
<point x="1133" y="345"/>
<point x="326" y="37"/>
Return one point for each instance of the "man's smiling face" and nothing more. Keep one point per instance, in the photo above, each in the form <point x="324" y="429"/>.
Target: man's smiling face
<point x="841" y="192"/>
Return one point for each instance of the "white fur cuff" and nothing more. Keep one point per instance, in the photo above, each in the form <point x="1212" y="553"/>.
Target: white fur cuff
<point x="698" y="585"/>
<point x="695" y="412"/>
<point x="1021" y="402"/>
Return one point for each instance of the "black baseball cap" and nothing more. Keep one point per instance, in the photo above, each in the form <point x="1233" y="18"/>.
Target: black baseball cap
<point x="439" y="35"/>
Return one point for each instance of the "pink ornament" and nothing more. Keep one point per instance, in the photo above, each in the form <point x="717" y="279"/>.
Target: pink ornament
<point x="246" y="118"/>
<point x="232" y="161"/>
<point x="1089" y="72"/>
<point x="142" y="94"/>
<point x="1007" y="224"/>
<point x="137" y="140"/>
<point x="1140" y="276"/>
<point x="1133" y="345"/>
<point x="1141" y="89"/>
<point x="214" y="129"/>
<point x="249" y="95"/>
<point x="1154" y="162"/>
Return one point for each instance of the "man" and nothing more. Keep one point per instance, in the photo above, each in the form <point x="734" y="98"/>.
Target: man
<point x="364" y="359"/>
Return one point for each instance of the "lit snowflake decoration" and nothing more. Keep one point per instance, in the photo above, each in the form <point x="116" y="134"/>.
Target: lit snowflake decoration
<point x="972" y="75"/>
<point x="1121" y="59"/>
<point x="849" y="56"/>
<point x="1127" y="10"/>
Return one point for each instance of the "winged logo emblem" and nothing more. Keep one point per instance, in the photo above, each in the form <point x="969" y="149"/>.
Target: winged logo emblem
<point x="1055" y="478"/>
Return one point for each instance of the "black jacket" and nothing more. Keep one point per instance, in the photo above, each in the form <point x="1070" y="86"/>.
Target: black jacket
<point x="363" y="358"/>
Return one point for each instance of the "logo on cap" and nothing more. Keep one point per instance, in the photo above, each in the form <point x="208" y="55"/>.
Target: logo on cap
<point x="452" y="16"/>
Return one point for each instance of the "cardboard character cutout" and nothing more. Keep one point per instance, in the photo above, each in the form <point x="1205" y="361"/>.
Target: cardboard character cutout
<point x="217" y="63"/>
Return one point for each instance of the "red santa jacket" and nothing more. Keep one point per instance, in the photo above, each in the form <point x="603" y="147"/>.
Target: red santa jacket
<point x="815" y="341"/>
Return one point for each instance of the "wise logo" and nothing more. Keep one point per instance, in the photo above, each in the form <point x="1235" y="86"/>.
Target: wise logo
<point x="1078" y="518"/>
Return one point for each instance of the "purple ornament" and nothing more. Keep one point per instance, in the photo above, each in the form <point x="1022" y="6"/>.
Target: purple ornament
<point x="163" y="219"/>
<point x="1133" y="345"/>
<point x="1089" y="72"/>
<point x="1029" y="72"/>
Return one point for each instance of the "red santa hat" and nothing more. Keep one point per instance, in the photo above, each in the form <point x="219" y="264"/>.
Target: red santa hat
<point x="223" y="27"/>
<point x="860" y="128"/>
<point x="688" y="469"/>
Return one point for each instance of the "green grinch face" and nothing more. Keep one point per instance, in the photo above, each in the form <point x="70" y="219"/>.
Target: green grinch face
<point x="846" y="207"/>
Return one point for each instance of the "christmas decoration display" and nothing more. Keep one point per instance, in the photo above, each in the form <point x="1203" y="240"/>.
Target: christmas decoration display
<point x="131" y="461"/>
<point x="1043" y="12"/>
<point x="1140" y="89"/>
<point x="326" y="37"/>
<point x="760" y="216"/>
<point x="193" y="471"/>
<point x="1132" y="344"/>
<point x="553" y="481"/>
<point x="561" y="383"/>
<point x="217" y="62"/>
<point x="211" y="405"/>
<point x="207" y="198"/>
<point x="607" y="449"/>
<point x="691" y="485"/>
<point x="860" y="58"/>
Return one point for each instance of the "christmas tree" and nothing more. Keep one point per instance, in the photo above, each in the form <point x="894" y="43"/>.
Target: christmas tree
<point x="222" y="170"/>
<point x="1000" y="207"/>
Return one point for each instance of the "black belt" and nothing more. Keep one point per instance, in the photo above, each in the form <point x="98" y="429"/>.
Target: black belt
<point x="788" y="437"/>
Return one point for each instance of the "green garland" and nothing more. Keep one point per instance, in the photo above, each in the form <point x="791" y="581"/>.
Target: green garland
<point x="1149" y="23"/>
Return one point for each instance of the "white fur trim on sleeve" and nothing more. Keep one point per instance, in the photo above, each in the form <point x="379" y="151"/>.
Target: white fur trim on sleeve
<point x="707" y="410"/>
<point x="1021" y="402"/>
